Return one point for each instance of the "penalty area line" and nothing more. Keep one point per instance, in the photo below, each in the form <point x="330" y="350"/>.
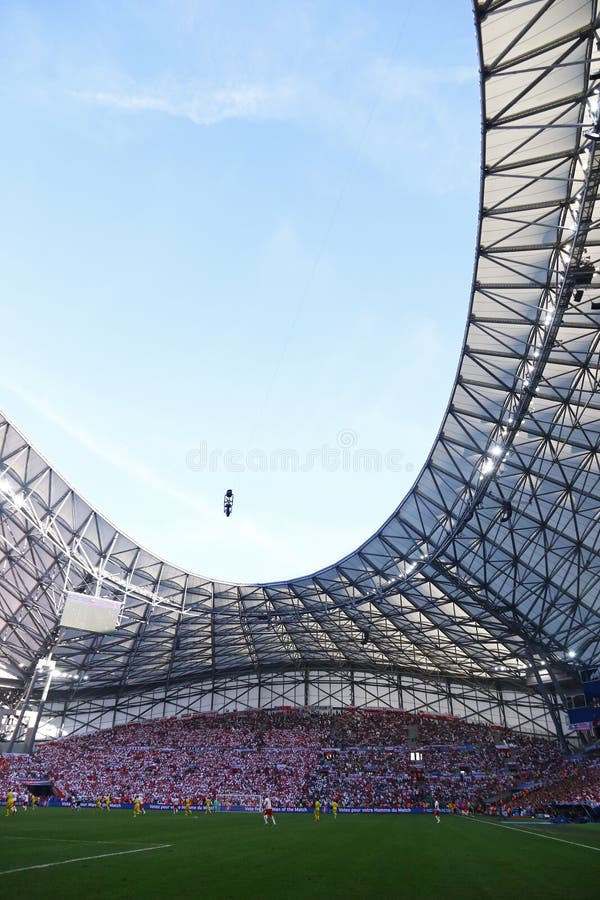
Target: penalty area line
<point x="521" y="830"/>
<point x="66" y="862"/>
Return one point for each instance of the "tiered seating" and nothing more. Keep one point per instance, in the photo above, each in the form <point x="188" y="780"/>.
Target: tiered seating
<point x="359" y="758"/>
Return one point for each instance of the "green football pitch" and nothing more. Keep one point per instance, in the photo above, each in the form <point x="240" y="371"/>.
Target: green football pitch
<point x="52" y="853"/>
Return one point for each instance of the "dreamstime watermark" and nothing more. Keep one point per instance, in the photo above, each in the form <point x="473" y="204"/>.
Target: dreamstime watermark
<point x="344" y="456"/>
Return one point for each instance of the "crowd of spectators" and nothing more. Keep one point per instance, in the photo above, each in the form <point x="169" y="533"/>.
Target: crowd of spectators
<point x="410" y="760"/>
<point x="237" y="755"/>
<point x="359" y="758"/>
<point x="578" y="781"/>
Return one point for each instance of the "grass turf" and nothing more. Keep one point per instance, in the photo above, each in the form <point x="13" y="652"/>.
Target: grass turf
<point x="233" y="855"/>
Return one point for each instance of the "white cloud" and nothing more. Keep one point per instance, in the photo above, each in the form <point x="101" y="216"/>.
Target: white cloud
<point x="391" y="116"/>
<point x="200" y="104"/>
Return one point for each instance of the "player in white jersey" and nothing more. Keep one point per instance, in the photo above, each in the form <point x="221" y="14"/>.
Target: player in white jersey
<point x="268" y="811"/>
<point x="436" y="810"/>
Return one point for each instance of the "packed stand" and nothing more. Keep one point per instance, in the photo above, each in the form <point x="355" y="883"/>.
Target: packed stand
<point x="577" y="782"/>
<point x="369" y="758"/>
<point x="412" y="759"/>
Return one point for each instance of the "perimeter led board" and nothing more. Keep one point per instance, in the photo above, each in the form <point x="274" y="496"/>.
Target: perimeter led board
<point x="87" y="613"/>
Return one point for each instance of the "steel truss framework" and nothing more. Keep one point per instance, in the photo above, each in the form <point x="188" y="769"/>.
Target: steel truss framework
<point x="485" y="702"/>
<point x="486" y="573"/>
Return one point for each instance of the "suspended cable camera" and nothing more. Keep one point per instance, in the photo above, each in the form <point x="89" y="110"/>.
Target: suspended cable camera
<point x="228" y="502"/>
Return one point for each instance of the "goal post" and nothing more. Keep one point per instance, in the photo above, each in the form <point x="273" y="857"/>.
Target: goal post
<point x="239" y="801"/>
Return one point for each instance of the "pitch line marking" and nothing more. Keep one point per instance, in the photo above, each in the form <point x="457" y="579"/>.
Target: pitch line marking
<point x="548" y="837"/>
<point x="65" y="862"/>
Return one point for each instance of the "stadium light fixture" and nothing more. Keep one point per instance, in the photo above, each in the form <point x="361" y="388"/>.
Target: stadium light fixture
<point x="488" y="466"/>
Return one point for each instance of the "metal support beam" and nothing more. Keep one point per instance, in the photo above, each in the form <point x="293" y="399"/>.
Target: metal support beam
<point x="32" y="731"/>
<point x="21" y="716"/>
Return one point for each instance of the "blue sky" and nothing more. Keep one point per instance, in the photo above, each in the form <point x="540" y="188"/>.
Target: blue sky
<point x="231" y="229"/>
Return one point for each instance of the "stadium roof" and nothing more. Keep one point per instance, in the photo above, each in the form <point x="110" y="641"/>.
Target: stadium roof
<point x="489" y="566"/>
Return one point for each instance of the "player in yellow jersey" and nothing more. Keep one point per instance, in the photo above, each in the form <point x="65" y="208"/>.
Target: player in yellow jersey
<point x="207" y="806"/>
<point x="334" y="809"/>
<point x="98" y="803"/>
<point x="107" y="803"/>
<point x="317" y="811"/>
<point x="187" y="805"/>
<point x="136" y="806"/>
<point x="10" y="803"/>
